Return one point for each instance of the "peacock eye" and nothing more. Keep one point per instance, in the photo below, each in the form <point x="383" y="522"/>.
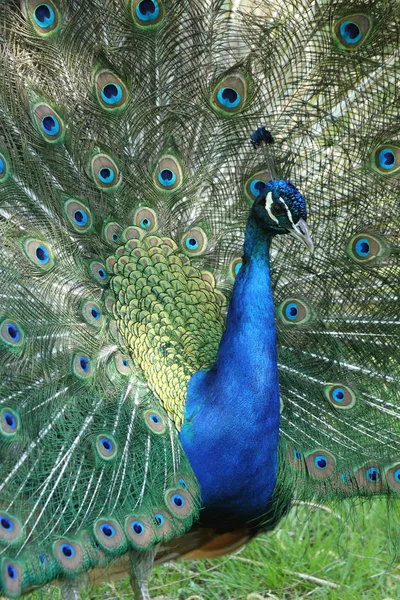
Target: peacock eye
<point x="3" y="168"/>
<point x="278" y="209"/>
<point x="45" y="16"/>
<point x="110" y="91"/>
<point x="105" y="172"/>
<point x="48" y="122"/>
<point x="351" y="31"/>
<point x="230" y="94"/>
<point x="147" y="13"/>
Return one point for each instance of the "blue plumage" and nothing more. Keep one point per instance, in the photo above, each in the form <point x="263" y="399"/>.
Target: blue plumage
<point x="231" y="427"/>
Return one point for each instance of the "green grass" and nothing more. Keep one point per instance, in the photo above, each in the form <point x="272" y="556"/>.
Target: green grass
<point x="315" y="554"/>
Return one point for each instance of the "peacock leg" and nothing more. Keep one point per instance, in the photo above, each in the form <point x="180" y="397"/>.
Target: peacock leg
<point x="141" y="564"/>
<point x="70" y="588"/>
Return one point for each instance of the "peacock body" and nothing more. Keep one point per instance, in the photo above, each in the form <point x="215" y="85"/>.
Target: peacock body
<point x="172" y="361"/>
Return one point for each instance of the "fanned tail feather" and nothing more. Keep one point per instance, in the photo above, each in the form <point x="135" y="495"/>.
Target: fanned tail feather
<point x="124" y="134"/>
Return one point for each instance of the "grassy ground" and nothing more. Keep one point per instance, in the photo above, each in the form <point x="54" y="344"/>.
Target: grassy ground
<point x="315" y="554"/>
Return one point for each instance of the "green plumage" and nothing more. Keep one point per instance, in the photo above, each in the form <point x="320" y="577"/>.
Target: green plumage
<point x="126" y="178"/>
<point x="167" y="312"/>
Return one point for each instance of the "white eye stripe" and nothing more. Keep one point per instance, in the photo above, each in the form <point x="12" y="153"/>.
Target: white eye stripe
<point x="289" y="214"/>
<point x="268" y="203"/>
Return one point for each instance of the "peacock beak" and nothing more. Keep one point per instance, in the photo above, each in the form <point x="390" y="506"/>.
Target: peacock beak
<point x="300" y="231"/>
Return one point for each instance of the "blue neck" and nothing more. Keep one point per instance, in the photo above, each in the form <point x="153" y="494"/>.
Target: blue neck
<point x="231" y="428"/>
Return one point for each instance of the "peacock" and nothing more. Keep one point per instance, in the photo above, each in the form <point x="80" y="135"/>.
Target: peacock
<point x="199" y="314"/>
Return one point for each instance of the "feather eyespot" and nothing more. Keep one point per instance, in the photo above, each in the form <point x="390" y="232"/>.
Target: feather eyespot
<point x="145" y="218"/>
<point x="110" y="91"/>
<point x="107" y="530"/>
<point x="111" y="94"/>
<point x="182" y="481"/>
<point x="67" y="550"/>
<point x="82" y="366"/>
<point x="9" y="423"/>
<point x="168" y="174"/>
<point x="158" y="520"/>
<point x="44" y="16"/>
<point x="369" y="478"/>
<point x="294" y="311"/>
<point x="3" y="168"/>
<point x="238" y="266"/>
<point x="365" y="248"/>
<point x="137" y="527"/>
<point x="162" y="522"/>
<point x="123" y="364"/>
<point x="138" y="531"/>
<point x="154" y="421"/>
<point x="340" y="396"/>
<point x="352" y="31"/>
<point x="393" y="477"/>
<point x="95" y="313"/>
<point x="49" y="123"/>
<point x="11" y="571"/>
<point x="78" y="215"/>
<point x="320" y="464"/>
<point x="11" y="531"/>
<point x="109" y="534"/>
<point x="12" y="334"/>
<point x="373" y="474"/>
<point x="105" y="172"/>
<point x="235" y="267"/>
<point x="12" y="578"/>
<point x="256" y="184"/>
<point x="320" y="461"/>
<point x="257" y="187"/>
<point x="386" y="159"/>
<point x="106" y="446"/>
<point x="91" y="313"/>
<point x="98" y="272"/>
<point x="39" y="253"/>
<point x="69" y="554"/>
<point x="230" y="94"/>
<point x="179" y="502"/>
<point x="147" y="14"/>
<point x="295" y="457"/>
<point x="80" y="218"/>
<point x="112" y="234"/>
<point x="194" y="242"/>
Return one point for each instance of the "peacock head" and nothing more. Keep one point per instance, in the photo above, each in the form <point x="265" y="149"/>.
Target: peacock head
<point x="281" y="209"/>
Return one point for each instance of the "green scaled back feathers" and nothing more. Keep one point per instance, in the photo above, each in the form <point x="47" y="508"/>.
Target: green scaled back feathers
<point x="126" y="177"/>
